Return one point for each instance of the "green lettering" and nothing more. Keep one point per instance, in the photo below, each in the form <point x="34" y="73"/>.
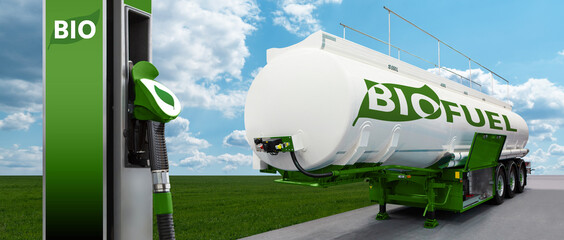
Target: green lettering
<point x="480" y="123"/>
<point x="449" y="112"/>
<point x="493" y="121"/>
<point x="507" y="126"/>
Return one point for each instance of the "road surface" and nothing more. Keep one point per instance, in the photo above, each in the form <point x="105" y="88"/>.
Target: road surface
<point x="537" y="213"/>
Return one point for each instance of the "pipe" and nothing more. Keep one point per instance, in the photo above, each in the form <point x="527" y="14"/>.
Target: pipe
<point x="358" y="170"/>
<point x="374" y="169"/>
<point x="302" y="170"/>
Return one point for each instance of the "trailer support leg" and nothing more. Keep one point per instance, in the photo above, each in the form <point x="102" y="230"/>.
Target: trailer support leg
<point x="431" y="221"/>
<point x="382" y="215"/>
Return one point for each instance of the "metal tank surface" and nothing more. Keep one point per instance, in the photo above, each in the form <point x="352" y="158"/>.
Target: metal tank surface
<point x="343" y="103"/>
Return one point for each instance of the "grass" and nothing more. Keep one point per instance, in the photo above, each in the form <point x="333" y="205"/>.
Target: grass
<point x="235" y="207"/>
<point x="20" y="207"/>
<point x="205" y="207"/>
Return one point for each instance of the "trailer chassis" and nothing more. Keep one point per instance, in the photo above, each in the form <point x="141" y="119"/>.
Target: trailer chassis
<point x="455" y="189"/>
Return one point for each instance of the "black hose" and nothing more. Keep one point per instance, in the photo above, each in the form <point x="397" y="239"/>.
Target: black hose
<point x="157" y="145"/>
<point x="165" y="225"/>
<point x="302" y="170"/>
<point x="159" y="163"/>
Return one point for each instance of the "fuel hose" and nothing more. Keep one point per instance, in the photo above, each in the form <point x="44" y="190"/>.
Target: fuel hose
<point x="162" y="199"/>
<point x="309" y="174"/>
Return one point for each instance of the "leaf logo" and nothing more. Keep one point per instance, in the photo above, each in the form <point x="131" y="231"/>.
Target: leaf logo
<point x="398" y="103"/>
<point x="165" y="96"/>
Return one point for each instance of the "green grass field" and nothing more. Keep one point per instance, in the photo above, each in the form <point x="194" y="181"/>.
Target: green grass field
<point x="205" y="207"/>
<point x="20" y="207"/>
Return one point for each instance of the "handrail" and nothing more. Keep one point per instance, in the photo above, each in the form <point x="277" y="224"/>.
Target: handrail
<point x="390" y="11"/>
<point x="405" y="51"/>
<point x="439" y="42"/>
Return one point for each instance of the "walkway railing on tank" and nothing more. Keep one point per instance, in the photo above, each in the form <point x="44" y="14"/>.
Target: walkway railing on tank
<point x="467" y="78"/>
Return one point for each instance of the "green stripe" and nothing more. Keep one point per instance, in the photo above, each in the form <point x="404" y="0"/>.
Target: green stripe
<point x="74" y="123"/>
<point x="144" y="5"/>
<point x="162" y="203"/>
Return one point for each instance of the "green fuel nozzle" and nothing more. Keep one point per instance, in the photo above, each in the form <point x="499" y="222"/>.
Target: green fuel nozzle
<point x="153" y="100"/>
<point x="155" y="105"/>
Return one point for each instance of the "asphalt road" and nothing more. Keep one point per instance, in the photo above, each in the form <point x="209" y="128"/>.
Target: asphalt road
<point x="537" y="213"/>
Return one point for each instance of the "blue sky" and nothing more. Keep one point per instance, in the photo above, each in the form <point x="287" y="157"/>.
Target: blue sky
<point x="209" y="51"/>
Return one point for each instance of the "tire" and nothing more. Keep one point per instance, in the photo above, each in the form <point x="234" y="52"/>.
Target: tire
<point x="500" y="185"/>
<point x="521" y="177"/>
<point x="511" y="181"/>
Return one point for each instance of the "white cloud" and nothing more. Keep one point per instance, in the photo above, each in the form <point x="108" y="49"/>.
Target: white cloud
<point x="538" y="156"/>
<point x="21" y="96"/>
<point x="200" y="160"/>
<point x="236" y="138"/>
<point x="539" y="101"/>
<point x="17" y="160"/>
<point x="549" y="162"/>
<point x="229" y="168"/>
<point x="197" y="161"/>
<point x="544" y="129"/>
<point x="234" y="161"/>
<point x="561" y="53"/>
<point x="556" y="149"/>
<point x="17" y="121"/>
<point x="180" y="140"/>
<point x="198" y="43"/>
<point x="297" y="16"/>
<point x="537" y="98"/>
<point x="255" y="72"/>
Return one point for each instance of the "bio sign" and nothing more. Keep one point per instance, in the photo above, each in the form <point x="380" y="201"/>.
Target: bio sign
<point x="62" y="29"/>
<point x="66" y="31"/>
<point x="398" y="103"/>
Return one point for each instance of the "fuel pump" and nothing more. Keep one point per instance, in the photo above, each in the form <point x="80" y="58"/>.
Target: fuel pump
<point x="96" y="63"/>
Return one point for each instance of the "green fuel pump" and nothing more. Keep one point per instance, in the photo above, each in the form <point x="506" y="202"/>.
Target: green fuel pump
<point x="154" y="105"/>
<point x="96" y="62"/>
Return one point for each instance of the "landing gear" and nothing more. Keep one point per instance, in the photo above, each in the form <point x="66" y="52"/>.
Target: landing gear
<point x="431" y="221"/>
<point x="382" y="215"/>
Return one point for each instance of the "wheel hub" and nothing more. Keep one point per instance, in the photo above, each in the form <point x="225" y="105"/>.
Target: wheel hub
<point x="500" y="185"/>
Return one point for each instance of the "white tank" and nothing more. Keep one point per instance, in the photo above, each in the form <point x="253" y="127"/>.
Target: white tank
<point x="346" y="104"/>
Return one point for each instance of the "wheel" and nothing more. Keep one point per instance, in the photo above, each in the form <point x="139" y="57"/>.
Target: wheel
<point x="521" y="176"/>
<point x="512" y="182"/>
<point x="499" y="185"/>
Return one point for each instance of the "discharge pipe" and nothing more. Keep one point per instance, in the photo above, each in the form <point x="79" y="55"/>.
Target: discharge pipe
<point x="355" y="171"/>
<point x="309" y="174"/>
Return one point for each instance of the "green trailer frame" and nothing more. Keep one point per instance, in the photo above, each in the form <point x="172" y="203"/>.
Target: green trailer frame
<point x="434" y="188"/>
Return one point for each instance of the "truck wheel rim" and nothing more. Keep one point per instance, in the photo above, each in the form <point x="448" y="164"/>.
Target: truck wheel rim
<point x="512" y="180"/>
<point x="500" y="185"/>
<point x="521" y="180"/>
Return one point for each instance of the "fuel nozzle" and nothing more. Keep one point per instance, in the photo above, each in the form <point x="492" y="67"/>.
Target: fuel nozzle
<point x="155" y="105"/>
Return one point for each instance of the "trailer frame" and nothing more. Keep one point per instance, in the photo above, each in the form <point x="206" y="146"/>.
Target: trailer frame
<point x="456" y="189"/>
